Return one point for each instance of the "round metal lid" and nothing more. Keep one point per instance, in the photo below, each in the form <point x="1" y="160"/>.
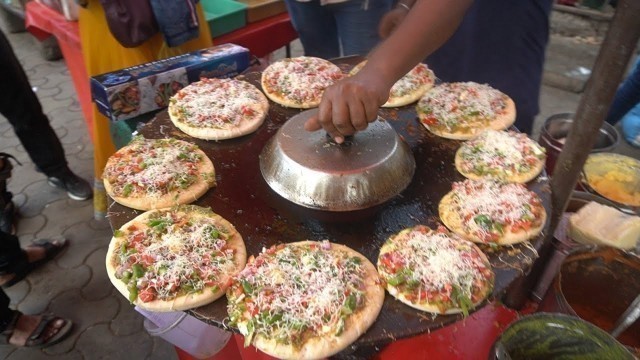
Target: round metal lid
<point x="312" y="170"/>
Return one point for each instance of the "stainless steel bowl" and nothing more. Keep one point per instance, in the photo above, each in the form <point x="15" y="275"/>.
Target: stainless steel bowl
<point x="310" y="169"/>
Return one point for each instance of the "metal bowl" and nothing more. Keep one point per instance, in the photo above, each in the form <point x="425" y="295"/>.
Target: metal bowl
<point x="310" y="169"/>
<point x="615" y="177"/>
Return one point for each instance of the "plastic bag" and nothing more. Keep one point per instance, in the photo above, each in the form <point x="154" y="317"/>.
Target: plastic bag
<point x="130" y="21"/>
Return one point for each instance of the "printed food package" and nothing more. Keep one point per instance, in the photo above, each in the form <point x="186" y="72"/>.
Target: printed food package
<point x="137" y="90"/>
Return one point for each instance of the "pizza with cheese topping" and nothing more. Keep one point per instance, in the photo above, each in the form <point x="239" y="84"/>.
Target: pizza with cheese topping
<point x="305" y="300"/>
<point x="157" y="173"/>
<point x="409" y="88"/>
<point x="489" y="211"/>
<point x="218" y="109"/>
<point x="299" y="82"/>
<point x="435" y="271"/>
<point x="175" y="258"/>
<point x="462" y="110"/>
<point x="504" y="155"/>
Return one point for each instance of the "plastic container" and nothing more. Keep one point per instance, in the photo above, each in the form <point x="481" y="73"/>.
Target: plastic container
<point x="597" y="283"/>
<point x="555" y="131"/>
<point x="186" y="332"/>
<point x="224" y="16"/>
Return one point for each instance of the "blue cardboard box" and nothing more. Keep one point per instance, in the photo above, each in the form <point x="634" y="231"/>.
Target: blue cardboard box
<point x="137" y="90"/>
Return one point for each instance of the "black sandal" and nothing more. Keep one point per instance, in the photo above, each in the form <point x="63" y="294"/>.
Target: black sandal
<point x="37" y="337"/>
<point x="23" y="269"/>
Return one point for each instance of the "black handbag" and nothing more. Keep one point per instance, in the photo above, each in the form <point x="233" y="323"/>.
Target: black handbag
<point x="131" y="22"/>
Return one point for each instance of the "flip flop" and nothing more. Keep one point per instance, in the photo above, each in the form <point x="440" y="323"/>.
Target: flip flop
<point x="23" y="269"/>
<point x="37" y="337"/>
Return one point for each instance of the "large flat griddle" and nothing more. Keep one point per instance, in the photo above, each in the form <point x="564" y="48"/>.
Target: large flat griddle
<point x="264" y="218"/>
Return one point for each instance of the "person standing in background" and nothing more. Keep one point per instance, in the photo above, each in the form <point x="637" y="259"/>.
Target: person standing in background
<point x="327" y="26"/>
<point x="103" y="53"/>
<point x="350" y="104"/>
<point x="20" y="105"/>
<point x="499" y="42"/>
<point x="625" y="107"/>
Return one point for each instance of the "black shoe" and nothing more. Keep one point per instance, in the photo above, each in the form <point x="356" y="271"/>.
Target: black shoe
<point x="76" y="187"/>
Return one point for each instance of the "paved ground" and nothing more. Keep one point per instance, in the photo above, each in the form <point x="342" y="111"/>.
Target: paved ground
<point x="75" y="285"/>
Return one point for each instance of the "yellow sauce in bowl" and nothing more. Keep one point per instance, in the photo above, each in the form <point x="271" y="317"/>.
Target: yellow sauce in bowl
<point x="615" y="177"/>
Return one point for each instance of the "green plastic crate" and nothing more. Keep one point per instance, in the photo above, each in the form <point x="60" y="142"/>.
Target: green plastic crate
<point x="224" y="16"/>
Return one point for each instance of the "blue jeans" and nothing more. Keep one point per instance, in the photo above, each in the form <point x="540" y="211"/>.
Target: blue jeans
<point x="627" y="96"/>
<point x="352" y="25"/>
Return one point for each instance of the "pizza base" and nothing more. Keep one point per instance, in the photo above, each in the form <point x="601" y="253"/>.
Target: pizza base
<point x="399" y="101"/>
<point x="454" y="222"/>
<point x="355" y="325"/>
<point x="501" y="122"/>
<point x="408" y="98"/>
<point x="247" y="126"/>
<point x="188" y="301"/>
<point x="281" y="100"/>
<point x="396" y="293"/>
<point x="520" y="178"/>
<point x="206" y="180"/>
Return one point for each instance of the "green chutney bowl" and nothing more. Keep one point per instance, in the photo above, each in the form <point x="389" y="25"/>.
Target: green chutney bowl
<point x="549" y="336"/>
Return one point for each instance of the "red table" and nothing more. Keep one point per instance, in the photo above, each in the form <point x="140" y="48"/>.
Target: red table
<point x="263" y="37"/>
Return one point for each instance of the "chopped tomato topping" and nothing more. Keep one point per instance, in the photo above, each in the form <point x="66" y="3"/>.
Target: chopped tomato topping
<point x="148" y="294"/>
<point x="430" y="120"/>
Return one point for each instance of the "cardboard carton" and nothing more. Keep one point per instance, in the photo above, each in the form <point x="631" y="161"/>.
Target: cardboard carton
<point x="140" y="89"/>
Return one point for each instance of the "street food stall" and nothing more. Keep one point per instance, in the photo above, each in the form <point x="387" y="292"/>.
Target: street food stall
<point x="265" y="218"/>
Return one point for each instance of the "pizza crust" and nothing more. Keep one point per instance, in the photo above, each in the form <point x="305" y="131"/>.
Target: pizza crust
<point x="520" y="178"/>
<point x="414" y="95"/>
<point x="453" y="221"/>
<point x="246" y="125"/>
<point x="281" y="100"/>
<point x="188" y="301"/>
<point x="272" y="71"/>
<point x="500" y="122"/>
<point x="355" y="325"/>
<point x="206" y="180"/>
<point x="432" y="308"/>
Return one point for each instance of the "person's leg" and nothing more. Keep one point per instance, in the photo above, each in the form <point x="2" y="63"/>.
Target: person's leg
<point x="7" y="208"/>
<point x="627" y="96"/>
<point x="30" y="330"/>
<point x="23" y="110"/>
<point x="357" y="22"/>
<point x="316" y="28"/>
<point x="6" y="314"/>
<point x="11" y="255"/>
<point x="16" y="263"/>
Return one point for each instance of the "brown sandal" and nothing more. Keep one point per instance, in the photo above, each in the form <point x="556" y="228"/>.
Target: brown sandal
<point x="38" y="337"/>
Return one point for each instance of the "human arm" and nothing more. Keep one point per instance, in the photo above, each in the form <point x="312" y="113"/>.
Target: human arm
<point x="350" y="104"/>
<point x="394" y="17"/>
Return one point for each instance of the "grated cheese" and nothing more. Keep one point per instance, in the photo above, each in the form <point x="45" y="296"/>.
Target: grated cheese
<point x="304" y="288"/>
